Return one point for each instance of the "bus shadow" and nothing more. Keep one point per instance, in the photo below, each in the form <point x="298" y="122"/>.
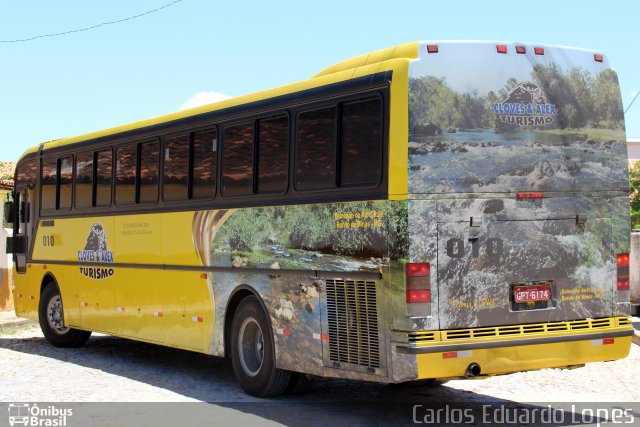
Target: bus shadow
<point x="208" y="379"/>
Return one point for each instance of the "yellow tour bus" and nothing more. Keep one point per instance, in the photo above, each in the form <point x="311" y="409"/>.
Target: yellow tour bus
<point x="431" y="211"/>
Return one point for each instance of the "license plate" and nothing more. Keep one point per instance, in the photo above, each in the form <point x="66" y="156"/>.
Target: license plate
<point x="534" y="293"/>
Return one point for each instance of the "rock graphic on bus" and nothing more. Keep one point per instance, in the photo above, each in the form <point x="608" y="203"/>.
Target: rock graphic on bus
<point x="96" y="251"/>
<point x="553" y="127"/>
<point x="265" y="245"/>
<point x="97" y="240"/>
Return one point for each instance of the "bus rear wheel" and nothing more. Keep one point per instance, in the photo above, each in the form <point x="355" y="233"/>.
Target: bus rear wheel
<point x="51" y="319"/>
<point x="252" y="352"/>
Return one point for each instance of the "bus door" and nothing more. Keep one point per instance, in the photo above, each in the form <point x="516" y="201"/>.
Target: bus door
<point x="23" y="228"/>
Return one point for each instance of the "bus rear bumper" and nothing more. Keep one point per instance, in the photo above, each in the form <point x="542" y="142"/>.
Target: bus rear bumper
<point x="525" y="354"/>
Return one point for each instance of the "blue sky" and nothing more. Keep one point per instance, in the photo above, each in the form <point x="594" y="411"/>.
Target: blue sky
<point x="68" y="85"/>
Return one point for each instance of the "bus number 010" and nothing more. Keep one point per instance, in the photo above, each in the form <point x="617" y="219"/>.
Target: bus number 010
<point x="48" y="241"/>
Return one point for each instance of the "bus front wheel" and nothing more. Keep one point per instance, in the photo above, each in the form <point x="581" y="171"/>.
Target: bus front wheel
<point x="252" y="352"/>
<point x="51" y="318"/>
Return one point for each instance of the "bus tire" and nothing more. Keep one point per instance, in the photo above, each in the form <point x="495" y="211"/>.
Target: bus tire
<point x="253" y="352"/>
<point x="51" y="319"/>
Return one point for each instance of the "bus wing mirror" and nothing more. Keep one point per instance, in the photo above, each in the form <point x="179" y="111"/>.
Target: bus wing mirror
<point x="9" y="212"/>
<point x="15" y="244"/>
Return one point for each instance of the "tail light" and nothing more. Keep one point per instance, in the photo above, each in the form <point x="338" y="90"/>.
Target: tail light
<point x="501" y="48"/>
<point x="521" y="196"/>
<point x="432" y="48"/>
<point x="521" y="49"/>
<point x="538" y="50"/>
<point x="418" y="282"/>
<point x="622" y="264"/>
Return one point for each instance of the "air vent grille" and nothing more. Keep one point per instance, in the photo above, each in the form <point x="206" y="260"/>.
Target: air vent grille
<point x="353" y="322"/>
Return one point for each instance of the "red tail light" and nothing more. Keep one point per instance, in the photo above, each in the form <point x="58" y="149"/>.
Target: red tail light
<point x="432" y="48"/>
<point x="598" y="57"/>
<point x="418" y="296"/>
<point x="521" y="49"/>
<point x="529" y="195"/>
<point x="418" y="275"/>
<point x="417" y="269"/>
<point x="622" y="264"/>
<point x="501" y="48"/>
<point x="538" y="50"/>
<point x="622" y="260"/>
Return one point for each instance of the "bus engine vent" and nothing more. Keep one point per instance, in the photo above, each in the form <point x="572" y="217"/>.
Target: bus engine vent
<point x="353" y="322"/>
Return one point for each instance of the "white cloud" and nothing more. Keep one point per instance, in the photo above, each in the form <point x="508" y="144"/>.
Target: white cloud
<point x="203" y="98"/>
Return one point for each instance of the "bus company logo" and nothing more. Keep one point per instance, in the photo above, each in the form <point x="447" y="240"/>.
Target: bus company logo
<point x="26" y="414"/>
<point x="526" y="105"/>
<point x="95" y="250"/>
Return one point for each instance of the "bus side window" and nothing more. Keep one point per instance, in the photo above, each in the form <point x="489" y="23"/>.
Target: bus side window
<point x="175" y="169"/>
<point x="203" y="181"/>
<point x="126" y="172"/>
<point x="84" y="180"/>
<point x="361" y="143"/>
<point x="273" y="155"/>
<point x="237" y="160"/>
<point x="316" y="149"/>
<point x="48" y="183"/>
<point x="149" y="166"/>
<point x="104" y="168"/>
<point x="65" y="182"/>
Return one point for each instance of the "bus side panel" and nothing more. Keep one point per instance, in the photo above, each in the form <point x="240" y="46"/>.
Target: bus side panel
<point x="26" y="292"/>
<point x="336" y="239"/>
<point x="187" y="296"/>
<point x="186" y="312"/>
<point x="87" y="291"/>
<point x="140" y="299"/>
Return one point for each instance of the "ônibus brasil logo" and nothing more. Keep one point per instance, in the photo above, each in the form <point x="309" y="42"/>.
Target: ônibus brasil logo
<point x="526" y="105"/>
<point x="95" y="250"/>
<point x="26" y="414"/>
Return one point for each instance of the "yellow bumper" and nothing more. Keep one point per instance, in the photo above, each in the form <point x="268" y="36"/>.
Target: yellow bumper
<point x="523" y="352"/>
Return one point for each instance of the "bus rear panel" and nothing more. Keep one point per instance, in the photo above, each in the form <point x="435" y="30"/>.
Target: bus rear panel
<point x="518" y="211"/>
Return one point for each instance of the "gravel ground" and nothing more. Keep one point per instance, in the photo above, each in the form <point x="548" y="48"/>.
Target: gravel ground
<point x="111" y="369"/>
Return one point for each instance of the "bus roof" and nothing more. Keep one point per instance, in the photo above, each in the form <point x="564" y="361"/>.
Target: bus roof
<point x="351" y="68"/>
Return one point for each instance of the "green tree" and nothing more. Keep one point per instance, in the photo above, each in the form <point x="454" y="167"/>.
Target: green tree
<point x="607" y="100"/>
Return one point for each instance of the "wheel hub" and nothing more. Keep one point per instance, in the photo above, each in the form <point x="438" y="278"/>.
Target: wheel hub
<point x="55" y="316"/>
<point x="251" y="347"/>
